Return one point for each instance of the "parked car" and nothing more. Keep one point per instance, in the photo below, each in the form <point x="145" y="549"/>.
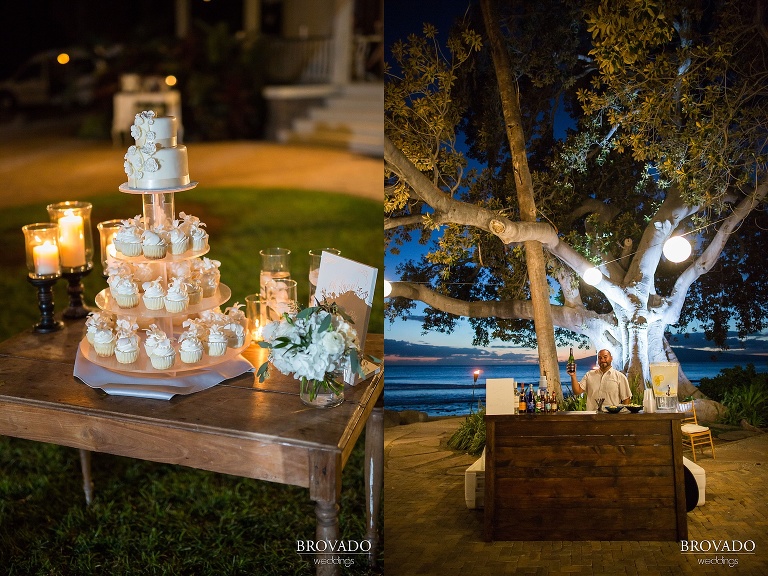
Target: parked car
<point x="44" y="80"/>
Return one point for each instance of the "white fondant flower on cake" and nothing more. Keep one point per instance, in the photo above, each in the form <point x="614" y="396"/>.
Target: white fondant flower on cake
<point x="151" y="165"/>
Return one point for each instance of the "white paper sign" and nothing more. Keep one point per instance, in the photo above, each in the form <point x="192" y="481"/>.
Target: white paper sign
<point x="351" y="285"/>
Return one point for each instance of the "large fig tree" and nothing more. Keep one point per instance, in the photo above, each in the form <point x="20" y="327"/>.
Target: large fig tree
<point x="670" y="107"/>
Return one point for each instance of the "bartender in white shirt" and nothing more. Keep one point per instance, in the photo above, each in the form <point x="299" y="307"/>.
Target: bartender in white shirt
<point x="603" y="382"/>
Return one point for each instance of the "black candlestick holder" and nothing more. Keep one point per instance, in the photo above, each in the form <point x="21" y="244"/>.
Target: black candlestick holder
<point x="45" y="303"/>
<point x="76" y="308"/>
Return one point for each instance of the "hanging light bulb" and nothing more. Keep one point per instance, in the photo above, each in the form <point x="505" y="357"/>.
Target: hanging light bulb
<point x="676" y="249"/>
<point x="593" y="276"/>
<point x="387" y="288"/>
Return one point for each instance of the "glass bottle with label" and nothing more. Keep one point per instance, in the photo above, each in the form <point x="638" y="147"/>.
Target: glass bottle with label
<point x="523" y="406"/>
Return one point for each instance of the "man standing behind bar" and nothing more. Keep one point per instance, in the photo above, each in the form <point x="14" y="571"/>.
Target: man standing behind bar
<point x="603" y="382"/>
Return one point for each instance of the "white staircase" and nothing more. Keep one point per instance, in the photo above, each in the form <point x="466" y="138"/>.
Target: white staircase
<point x="352" y="118"/>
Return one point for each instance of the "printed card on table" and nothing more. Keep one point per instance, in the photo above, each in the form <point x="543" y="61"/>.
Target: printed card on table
<point x="351" y="285"/>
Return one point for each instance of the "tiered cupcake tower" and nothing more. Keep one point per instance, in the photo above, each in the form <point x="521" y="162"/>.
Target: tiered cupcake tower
<point x="157" y="253"/>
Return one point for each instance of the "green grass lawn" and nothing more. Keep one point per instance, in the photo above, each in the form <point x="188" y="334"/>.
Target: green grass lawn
<point x="152" y="518"/>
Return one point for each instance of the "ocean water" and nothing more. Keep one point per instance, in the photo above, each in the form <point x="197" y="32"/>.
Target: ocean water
<point x="449" y="391"/>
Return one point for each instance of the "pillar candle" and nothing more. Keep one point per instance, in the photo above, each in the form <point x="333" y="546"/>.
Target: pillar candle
<point x="72" y="241"/>
<point x="46" y="259"/>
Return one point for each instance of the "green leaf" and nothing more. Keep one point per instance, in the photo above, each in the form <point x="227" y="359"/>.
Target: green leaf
<point x="325" y="324"/>
<point x="307" y="312"/>
<point x="263" y="371"/>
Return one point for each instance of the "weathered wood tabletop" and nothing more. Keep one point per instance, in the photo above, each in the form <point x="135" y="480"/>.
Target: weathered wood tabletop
<point x="240" y="427"/>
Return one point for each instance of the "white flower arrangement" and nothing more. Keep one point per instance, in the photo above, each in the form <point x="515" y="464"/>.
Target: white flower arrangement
<point x="312" y="345"/>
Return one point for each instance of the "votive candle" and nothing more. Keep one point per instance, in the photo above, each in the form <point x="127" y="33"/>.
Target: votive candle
<point x="72" y="240"/>
<point x="46" y="259"/>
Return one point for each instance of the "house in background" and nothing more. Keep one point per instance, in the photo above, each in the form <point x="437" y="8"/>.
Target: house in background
<point x="324" y="63"/>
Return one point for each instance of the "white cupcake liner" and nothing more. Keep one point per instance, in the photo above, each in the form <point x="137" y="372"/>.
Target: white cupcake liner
<point x="154" y="302"/>
<point x="104" y="349"/>
<point x="162" y="362"/>
<point x="176" y="305"/>
<point x="129" y="248"/>
<point x="126" y="300"/>
<point x="217" y="348"/>
<point x="180" y="247"/>
<point x="126" y="357"/>
<point x="191" y="356"/>
<point x="155" y="251"/>
<point x="200" y="243"/>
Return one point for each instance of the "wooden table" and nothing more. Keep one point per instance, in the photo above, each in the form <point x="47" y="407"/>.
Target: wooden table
<point x="239" y="427"/>
<point x="578" y="476"/>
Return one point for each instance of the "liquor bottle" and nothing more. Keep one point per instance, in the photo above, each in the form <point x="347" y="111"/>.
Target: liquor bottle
<point x="548" y="403"/>
<point x="523" y="404"/>
<point x="515" y="401"/>
<point x="539" y="402"/>
<point x="571" y="366"/>
<point x="555" y="407"/>
<point x="531" y="401"/>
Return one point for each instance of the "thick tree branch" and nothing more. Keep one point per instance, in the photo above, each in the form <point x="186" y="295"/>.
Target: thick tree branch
<point x="708" y="258"/>
<point x="410" y="220"/>
<point x="459" y="212"/>
<point x="670" y="214"/>
<point x="509" y="232"/>
<point x="578" y="320"/>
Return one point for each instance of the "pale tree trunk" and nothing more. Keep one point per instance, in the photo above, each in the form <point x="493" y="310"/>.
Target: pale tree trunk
<point x="534" y="253"/>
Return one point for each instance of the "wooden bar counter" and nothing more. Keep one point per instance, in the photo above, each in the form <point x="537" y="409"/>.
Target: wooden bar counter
<point x="584" y="476"/>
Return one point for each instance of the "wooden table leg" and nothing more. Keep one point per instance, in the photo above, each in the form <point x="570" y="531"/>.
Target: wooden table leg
<point x="325" y="490"/>
<point x="374" y="475"/>
<point x="327" y="514"/>
<point x="85" y="466"/>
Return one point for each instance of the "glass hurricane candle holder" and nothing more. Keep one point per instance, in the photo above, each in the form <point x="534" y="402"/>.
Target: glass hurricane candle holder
<point x="42" y="248"/>
<point x="314" y="270"/>
<point x="75" y="237"/>
<point x="107" y="231"/>
<point x="75" y="250"/>
<point x="43" y="269"/>
<point x="275" y="264"/>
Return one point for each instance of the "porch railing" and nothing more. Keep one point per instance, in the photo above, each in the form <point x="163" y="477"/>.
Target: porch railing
<point x="298" y="60"/>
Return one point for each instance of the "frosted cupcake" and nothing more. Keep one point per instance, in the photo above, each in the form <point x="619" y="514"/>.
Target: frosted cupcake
<point x="217" y="341"/>
<point x="235" y="326"/>
<point x="235" y="313"/>
<point x="176" y="299"/>
<point x="190" y="345"/>
<point x="194" y="290"/>
<point x="235" y="334"/>
<point x="96" y="321"/>
<point x="154" y="294"/>
<point x="163" y="354"/>
<point x="144" y="272"/>
<point x="127" y="240"/>
<point x="104" y="342"/>
<point x="210" y="276"/>
<point x="127" y="345"/>
<point x="178" y="239"/>
<point x="154" y="335"/>
<point x="199" y="238"/>
<point x="125" y="291"/>
<point x="153" y="244"/>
